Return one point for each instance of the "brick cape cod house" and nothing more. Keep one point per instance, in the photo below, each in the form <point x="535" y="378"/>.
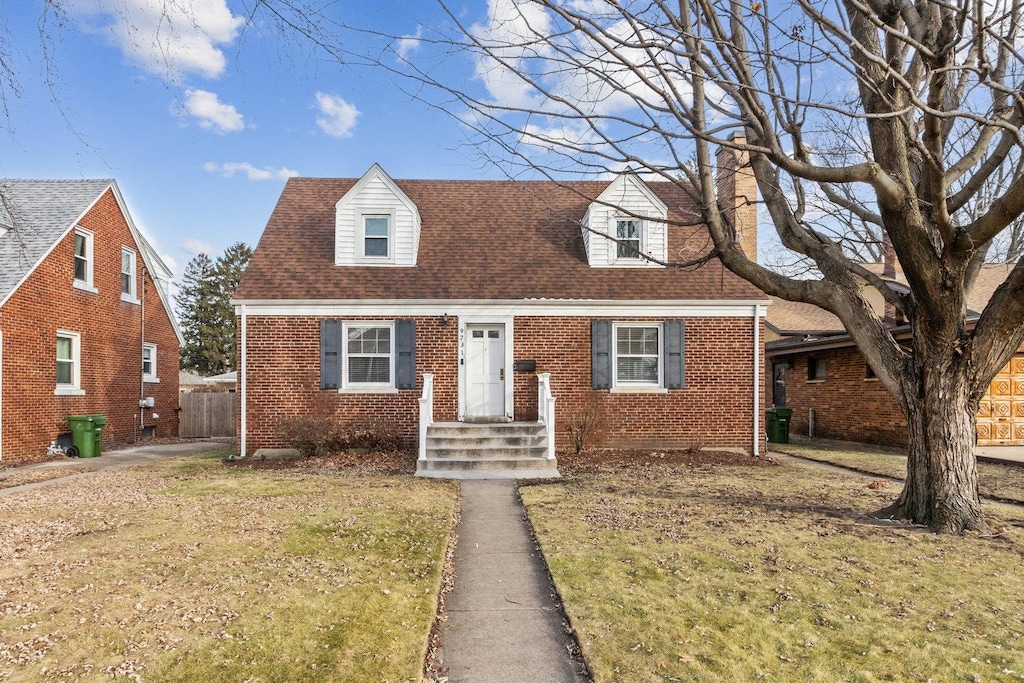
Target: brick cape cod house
<point x="814" y="368"/>
<point x="480" y="312"/>
<point x="85" y="323"/>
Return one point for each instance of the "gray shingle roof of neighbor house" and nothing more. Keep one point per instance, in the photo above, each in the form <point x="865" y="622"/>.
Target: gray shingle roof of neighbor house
<point x="40" y="212"/>
<point x="479" y="240"/>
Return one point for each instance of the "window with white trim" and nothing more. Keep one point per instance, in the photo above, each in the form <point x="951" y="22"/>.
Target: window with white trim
<point x="128" y="286"/>
<point x="149" y="363"/>
<point x="369" y="355"/>
<point x="69" y="363"/>
<point x="638" y="355"/>
<point x="83" y="259"/>
<point x="377" y="236"/>
<point x="627" y="232"/>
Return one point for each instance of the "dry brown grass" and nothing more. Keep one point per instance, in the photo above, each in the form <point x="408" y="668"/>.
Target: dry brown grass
<point x="188" y="570"/>
<point x="716" y="573"/>
<point x="1005" y="482"/>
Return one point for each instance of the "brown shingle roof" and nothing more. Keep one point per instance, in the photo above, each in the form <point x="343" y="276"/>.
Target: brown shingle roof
<point x="789" y="317"/>
<point x="479" y="240"/>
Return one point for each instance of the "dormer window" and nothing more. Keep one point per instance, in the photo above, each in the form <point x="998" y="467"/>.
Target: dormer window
<point x="627" y="232"/>
<point x="376" y="224"/>
<point x="376" y="236"/>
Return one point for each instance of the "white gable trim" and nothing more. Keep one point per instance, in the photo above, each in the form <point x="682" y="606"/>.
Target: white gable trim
<point x="154" y="264"/>
<point x="606" y="199"/>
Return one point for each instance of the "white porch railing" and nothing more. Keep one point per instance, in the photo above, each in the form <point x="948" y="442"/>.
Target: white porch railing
<point x="426" y="412"/>
<point x="546" y="409"/>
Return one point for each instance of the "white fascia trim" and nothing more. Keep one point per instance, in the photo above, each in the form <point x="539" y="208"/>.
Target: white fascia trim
<point x="505" y="307"/>
<point x="154" y="264"/>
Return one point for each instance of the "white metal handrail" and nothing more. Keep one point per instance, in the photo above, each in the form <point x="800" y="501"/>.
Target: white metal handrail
<point x="426" y="412"/>
<point x="546" y="409"/>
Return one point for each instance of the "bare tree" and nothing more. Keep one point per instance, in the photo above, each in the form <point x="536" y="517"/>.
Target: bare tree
<point x="897" y="121"/>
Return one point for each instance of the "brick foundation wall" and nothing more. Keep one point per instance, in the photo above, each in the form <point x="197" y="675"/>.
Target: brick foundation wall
<point x="714" y="410"/>
<point x="111" y="346"/>
<point x="846" y="404"/>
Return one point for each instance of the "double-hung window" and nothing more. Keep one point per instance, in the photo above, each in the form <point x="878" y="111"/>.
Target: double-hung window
<point x="627" y="234"/>
<point x="69" y="363"/>
<point x="369" y="355"/>
<point x="638" y="355"/>
<point x="149" y="363"/>
<point x="377" y="237"/>
<point x="83" y="259"/>
<point x="128" y="282"/>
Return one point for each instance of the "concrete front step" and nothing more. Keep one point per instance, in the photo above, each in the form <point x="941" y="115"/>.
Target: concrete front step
<point x="505" y="450"/>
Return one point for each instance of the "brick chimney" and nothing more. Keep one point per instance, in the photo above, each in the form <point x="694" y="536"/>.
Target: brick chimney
<point x="737" y="193"/>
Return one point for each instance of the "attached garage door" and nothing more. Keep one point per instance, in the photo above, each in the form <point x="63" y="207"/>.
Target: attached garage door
<point x="1001" y="417"/>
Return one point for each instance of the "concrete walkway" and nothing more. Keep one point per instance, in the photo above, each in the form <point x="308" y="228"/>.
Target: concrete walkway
<point x="503" y="624"/>
<point x="109" y="460"/>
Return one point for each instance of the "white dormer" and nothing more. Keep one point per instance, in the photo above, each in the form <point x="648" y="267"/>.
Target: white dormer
<point x="376" y="224"/>
<point x="630" y="212"/>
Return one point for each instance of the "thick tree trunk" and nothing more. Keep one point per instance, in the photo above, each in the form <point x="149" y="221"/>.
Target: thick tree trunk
<point x="941" y="490"/>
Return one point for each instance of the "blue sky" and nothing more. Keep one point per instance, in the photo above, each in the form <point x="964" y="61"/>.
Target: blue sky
<point x="200" y="120"/>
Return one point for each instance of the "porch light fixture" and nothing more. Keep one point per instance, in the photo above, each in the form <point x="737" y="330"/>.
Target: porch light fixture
<point x="444" y="320"/>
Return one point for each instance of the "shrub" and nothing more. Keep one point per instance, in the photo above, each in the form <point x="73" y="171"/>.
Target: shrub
<point x="583" y="425"/>
<point x="317" y="436"/>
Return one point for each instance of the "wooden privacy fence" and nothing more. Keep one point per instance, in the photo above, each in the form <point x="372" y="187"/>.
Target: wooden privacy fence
<point x="206" y="414"/>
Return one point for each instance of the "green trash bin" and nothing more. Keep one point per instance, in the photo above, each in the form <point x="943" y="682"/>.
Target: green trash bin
<point x="771" y="424"/>
<point x="87" y="435"/>
<point x="783" y="416"/>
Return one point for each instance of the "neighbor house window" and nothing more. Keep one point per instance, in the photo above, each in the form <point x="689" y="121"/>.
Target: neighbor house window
<point x="376" y="236"/>
<point x="83" y="259"/>
<point x="815" y="369"/>
<point x="627" y="232"/>
<point x="869" y="372"/>
<point x="149" y="363"/>
<point x="69" y="363"/>
<point x="638" y="355"/>
<point x="369" y="357"/>
<point x="128" y="274"/>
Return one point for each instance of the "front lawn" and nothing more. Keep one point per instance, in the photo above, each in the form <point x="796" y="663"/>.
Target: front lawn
<point x="690" y="572"/>
<point x="190" y="570"/>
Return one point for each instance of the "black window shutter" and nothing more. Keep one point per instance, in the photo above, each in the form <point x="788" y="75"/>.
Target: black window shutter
<point x="405" y="344"/>
<point x="330" y="354"/>
<point x="675" y="354"/>
<point x="601" y="354"/>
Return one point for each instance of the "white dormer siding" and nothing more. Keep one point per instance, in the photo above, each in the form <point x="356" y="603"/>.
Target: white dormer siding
<point x="627" y="209"/>
<point x="376" y="224"/>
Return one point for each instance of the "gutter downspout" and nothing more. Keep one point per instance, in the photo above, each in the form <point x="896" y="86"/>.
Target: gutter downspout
<point x="142" y="351"/>
<point x="757" y="382"/>
<point x="242" y="381"/>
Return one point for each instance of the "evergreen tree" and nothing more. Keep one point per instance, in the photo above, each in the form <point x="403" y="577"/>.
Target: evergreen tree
<point x="207" y="317"/>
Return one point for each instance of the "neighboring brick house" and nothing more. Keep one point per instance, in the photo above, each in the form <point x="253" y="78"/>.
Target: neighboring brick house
<point x="85" y="323"/>
<point x="438" y="304"/>
<point x="814" y="368"/>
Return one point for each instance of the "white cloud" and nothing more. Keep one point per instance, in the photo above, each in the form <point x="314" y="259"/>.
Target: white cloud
<point x="168" y="38"/>
<point x="338" y="117"/>
<point x="211" y="113"/>
<point x="409" y="44"/>
<point x="196" y="247"/>
<point x="251" y="172"/>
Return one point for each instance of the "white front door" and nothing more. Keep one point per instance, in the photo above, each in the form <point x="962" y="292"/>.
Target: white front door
<point x="485" y="371"/>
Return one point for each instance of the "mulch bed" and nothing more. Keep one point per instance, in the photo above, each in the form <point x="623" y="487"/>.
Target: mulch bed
<point x="404" y="462"/>
<point x="394" y="462"/>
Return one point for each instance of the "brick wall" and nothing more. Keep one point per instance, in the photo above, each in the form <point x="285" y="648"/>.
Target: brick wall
<point x="715" y="408"/>
<point x="847" y="405"/>
<point x="111" y="355"/>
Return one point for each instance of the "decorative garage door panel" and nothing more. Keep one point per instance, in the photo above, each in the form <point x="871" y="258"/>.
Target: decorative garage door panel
<point x="1001" y="414"/>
